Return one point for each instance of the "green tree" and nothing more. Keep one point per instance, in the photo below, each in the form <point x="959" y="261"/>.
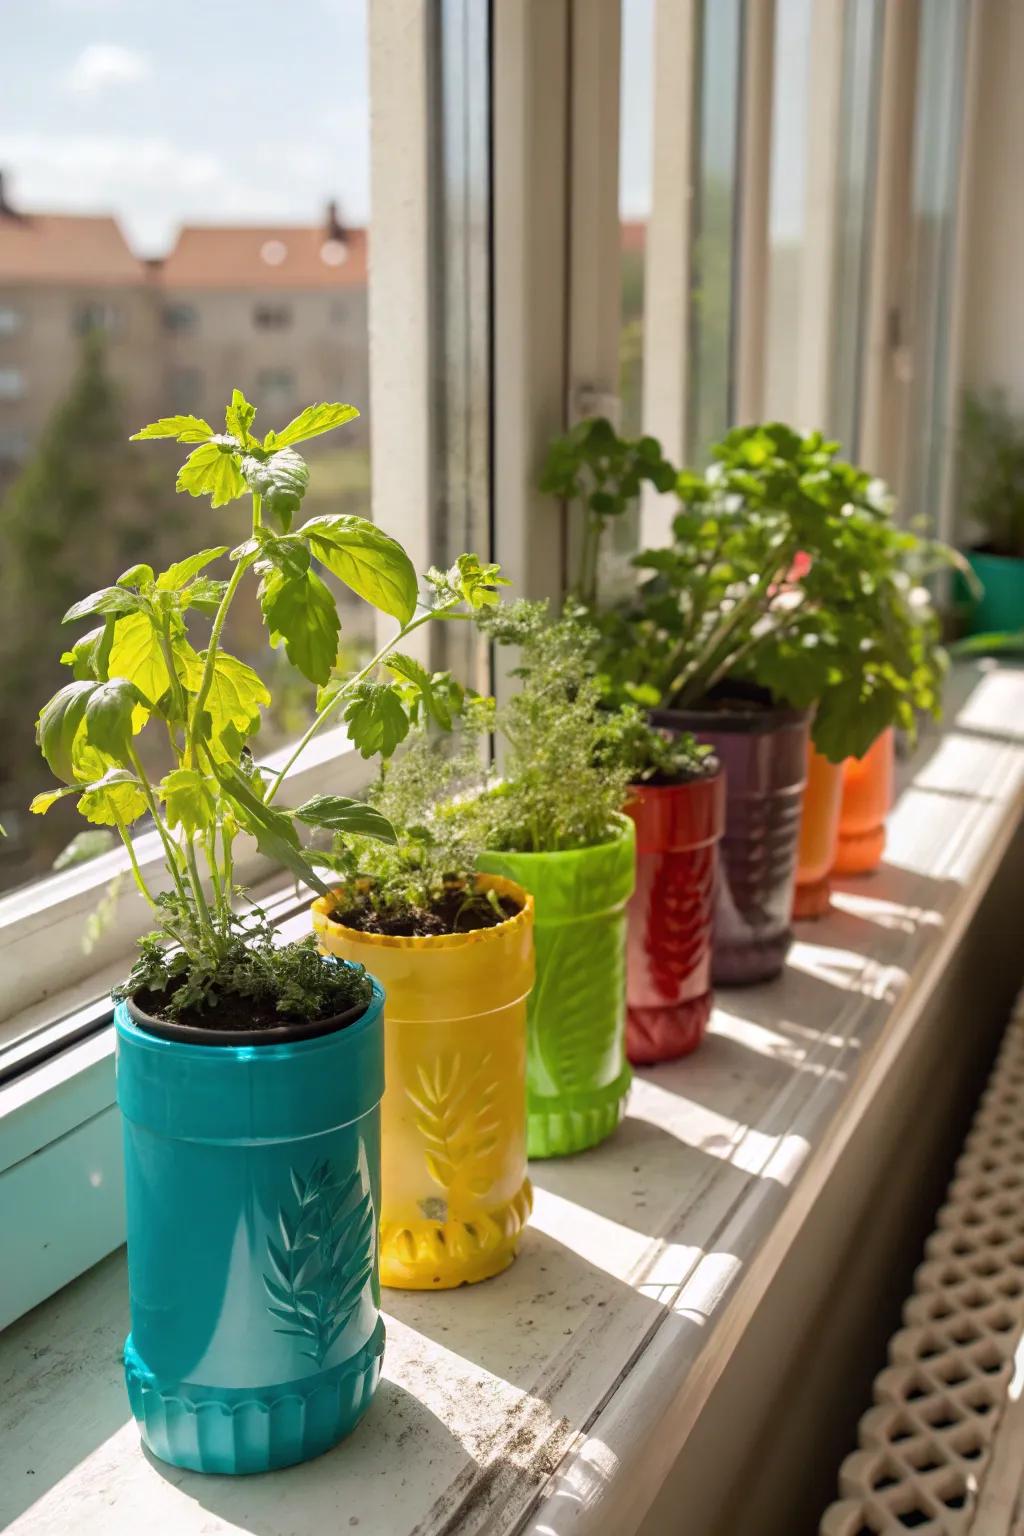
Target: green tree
<point x="82" y="508"/>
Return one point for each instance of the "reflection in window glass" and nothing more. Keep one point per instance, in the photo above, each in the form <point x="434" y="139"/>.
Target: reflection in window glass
<point x="942" y="48"/>
<point x="635" y="144"/>
<point x="715" y="220"/>
<point x="862" y="42"/>
<point x="150" y="204"/>
<point x="787" y="207"/>
<point x="636" y="129"/>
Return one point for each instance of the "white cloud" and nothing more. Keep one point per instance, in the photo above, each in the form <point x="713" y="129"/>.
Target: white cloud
<point x="103" y="65"/>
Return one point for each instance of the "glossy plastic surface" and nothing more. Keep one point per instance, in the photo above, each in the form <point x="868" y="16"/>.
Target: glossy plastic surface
<point x="819" y="835"/>
<point x="252" y="1196"/>
<point x="577" y="1074"/>
<point x="1001" y="604"/>
<point x="763" y="753"/>
<point x="668" y="976"/>
<point x="867" y="799"/>
<point x="456" y="1195"/>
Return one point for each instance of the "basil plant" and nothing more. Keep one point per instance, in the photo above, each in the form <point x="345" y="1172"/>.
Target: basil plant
<point x="153" y="684"/>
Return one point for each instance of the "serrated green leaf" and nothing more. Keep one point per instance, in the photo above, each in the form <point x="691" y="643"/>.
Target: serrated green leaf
<point x="407" y="669"/>
<point x="302" y="612"/>
<point x="340" y="814"/>
<point x="311" y="422"/>
<point x="289" y="553"/>
<point x="136" y="654"/>
<point x="108" y="718"/>
<point x="212" y="470"/>
<point x="281" y="480"/>
<point x="116" y="796"/>
<point x="184" y="429"/>
<point x="182" y="572"/>
<point x="115" y="600"/>
<point x="236" y="696"/>
<point x="189" y="800"/>
<point x="89" y="657"/>
<point x="204" y="595"/>
<point x="373" y="564"/>
<point x="274" y="832"/>
<point x="376" y="719"/>
<point x="40" y="804"/>
<point x="59" y="722"/>
<point x="136" y="576"/>
<point x="239" y="417"/>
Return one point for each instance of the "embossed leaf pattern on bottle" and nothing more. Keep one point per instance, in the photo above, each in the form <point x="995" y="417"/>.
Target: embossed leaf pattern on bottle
<point x="323" y="1259"/>
<point x="455" y="1114"/>
<point x="679" y="916"/>
<point x="578" y="1002"/>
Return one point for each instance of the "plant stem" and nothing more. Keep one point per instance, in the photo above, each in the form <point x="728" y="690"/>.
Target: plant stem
<point x="202" y="906"/>
<point x="136" y="871"/>
<point x="165" y="837"/>
<point x="332" y="704"/>
<point x="206" y="682"/>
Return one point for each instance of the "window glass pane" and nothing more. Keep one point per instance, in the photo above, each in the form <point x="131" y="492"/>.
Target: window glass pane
<point x="184" y="210"/>
<point x="942" y="46"/>
<point x="862" y="41"/>
<point x="462" y="215"/>
<point x="787" y="227"/>
<point x="635" y="146"/>
<point x="715" y="214"/>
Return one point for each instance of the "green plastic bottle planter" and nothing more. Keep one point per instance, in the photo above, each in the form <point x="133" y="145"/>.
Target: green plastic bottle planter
<point x="253" y="1191"/>
<point x="577" y="1076"/>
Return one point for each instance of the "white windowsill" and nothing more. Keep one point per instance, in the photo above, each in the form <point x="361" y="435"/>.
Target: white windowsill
<point x="554" y="1398"/>
<point x="49" y="917"/>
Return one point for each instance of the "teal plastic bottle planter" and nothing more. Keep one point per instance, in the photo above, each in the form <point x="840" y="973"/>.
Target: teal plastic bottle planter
<point x="253" y="1191"/>
<point x="1000" y="607"/>
<point x="577" y="1076"/>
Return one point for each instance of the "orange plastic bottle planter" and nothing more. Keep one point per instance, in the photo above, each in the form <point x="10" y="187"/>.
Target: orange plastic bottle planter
<point x="867" y="797"/>
<point x="455" y="1195"/>
<point x="819" y="835"/>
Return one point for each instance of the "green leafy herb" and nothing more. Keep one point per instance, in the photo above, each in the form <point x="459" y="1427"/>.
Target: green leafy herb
<point x="155" y="664"/>
<point x="785" y="569"/>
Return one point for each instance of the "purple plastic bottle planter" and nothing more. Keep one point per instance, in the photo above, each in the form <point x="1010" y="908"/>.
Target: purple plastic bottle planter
<point x="763" y="749"/>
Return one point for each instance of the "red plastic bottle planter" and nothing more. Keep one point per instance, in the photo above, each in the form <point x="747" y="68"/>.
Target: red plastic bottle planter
<point x="668" y="987"/>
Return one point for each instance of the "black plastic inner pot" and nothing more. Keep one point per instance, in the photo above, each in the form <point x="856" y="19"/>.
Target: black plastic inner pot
<point x="277" y="1034"/>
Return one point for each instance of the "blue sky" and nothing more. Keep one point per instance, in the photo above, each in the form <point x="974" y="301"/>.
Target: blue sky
<point x="211" y="110"/>
<point x="224" y="111"/>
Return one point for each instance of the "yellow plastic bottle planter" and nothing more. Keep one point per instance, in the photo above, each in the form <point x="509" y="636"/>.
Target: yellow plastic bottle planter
<point x="455" y="1195"/>
<point x="577" y="1074"/>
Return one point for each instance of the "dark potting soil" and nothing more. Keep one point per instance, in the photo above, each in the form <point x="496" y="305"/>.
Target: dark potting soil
<point x="452" y="914"/>
<point x="233" y="1014"/>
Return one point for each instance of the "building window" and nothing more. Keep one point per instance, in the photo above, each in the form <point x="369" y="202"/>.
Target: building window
<point x="339" y="312"/>
<point x="185" y="389"/>
<point x="10" y="320"/>
<point x="97" y="315"/>
<point x="272" y="317"/>
<point x="276" y="386"/>
<point x="180" y="317"/>
<point x="13" y="445"/>
<point x="12" y="384"/>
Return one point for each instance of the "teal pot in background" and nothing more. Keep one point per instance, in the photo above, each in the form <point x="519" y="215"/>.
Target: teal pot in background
<point x="1000" y="606"/>
<point x="253" y="1193"/>
<point x="577" y="1076"/>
